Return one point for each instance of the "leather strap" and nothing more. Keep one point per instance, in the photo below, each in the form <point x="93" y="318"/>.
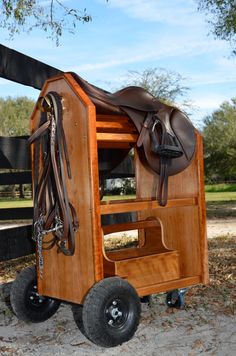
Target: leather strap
<point x="145" y="128"/>
<point x="51" y="201"/>
<point x="163" y="144"/>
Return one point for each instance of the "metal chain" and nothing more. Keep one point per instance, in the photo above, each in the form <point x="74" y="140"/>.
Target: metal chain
<point x="39" y="234"/>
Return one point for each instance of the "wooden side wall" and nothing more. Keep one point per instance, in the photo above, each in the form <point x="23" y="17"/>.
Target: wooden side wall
<point x="66" y="277"/>
<point x="184" y="227"/>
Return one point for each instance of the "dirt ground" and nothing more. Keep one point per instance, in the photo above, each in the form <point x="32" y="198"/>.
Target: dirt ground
<point x="216" y="227"/>
<point x="206" y="326"/>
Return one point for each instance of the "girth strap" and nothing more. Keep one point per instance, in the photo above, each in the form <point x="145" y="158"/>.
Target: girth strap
<point x="163" y="144"/>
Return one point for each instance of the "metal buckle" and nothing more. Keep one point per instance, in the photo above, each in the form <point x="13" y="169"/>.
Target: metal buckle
<point x="157" y="121"/>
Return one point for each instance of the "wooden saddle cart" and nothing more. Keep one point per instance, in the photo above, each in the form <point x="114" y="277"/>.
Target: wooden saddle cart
<point x="74" y="126"/>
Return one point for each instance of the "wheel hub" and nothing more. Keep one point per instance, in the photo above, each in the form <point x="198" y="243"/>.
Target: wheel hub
<point x="116" y="313"/>
<point x="34" y="298"/>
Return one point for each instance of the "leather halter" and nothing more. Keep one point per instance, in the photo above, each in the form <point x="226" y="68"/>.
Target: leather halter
<point x="53" y="213"/>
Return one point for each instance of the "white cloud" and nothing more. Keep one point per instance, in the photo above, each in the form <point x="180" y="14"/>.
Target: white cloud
<point x="146" y="51"/>
<point x="110" y="63"/>
<point x="223" y="71"/>
<point x="173" y="12"/>
<point x="210" y="102"/>
<point x="213" y="78"/>
<point x="226" y="64"/>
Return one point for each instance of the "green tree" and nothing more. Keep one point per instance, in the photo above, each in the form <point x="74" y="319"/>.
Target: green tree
<point x="52" y="16"/>
<point x="14" y="116"/>
<point x="166" y="85"/>
<point x="219" y="134"/>
<point x="222" y="18"/>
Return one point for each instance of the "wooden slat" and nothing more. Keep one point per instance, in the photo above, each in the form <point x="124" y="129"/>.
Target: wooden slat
<point x="112" y="145"/>
<point x="135" y="205"/>
<point x="115" y="126"/>
<point x="105" y="117"/>
<point x="116" y="137"/>
<point x="108" y="229"/>
<point x="166" y="286"/>
<point x="128" y="253"/>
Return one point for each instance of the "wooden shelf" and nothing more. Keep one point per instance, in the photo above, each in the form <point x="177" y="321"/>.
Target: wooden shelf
<point x="116" y="137"/>
<point x="141" y="269"/>
<point x="115" y="126"/>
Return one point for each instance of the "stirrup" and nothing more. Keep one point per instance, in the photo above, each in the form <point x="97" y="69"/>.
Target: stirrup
<point x="167" y="151"/>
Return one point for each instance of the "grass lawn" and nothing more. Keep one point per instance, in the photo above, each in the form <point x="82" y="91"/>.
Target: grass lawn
<point x="15" y="203"/>
<point x="118" y="197"/>
<point x="220" y="196"/>
<point x="210" y="197"/>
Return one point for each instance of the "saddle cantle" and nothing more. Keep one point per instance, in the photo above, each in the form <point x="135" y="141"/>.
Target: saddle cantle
<point x="166" y="140"/>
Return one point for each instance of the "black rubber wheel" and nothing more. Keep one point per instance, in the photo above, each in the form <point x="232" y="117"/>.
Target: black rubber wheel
<point x="145" y="299"/>
<point x="26" y="303"/>
<point x="175" y="299"/>
<point x="111" y="312"/>
<point x="77" y="310"/>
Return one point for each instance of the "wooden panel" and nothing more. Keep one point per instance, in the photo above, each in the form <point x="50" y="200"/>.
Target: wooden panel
<point x="202" y="213"/>
<point x="183" y="226"/>
<point x="70" y="277"/>
<point x="113" y="207"/>
<point x="148" y="270"/>
<point x="170" y="285"/>
<point x="181" y="233"/>
<point x="182" y="185"/>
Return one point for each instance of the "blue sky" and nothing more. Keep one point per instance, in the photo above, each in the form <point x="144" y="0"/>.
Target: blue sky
<point x="134" y="35"/>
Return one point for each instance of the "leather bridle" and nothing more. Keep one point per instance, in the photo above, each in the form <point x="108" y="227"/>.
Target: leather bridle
<point x="53" y="213"/>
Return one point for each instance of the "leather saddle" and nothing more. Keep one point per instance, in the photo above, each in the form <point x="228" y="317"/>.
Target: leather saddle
<point x="167" y="137"/>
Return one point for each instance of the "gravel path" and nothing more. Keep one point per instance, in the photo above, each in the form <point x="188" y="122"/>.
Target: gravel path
<point x="162" y="331"/>
<point x="217" y="227"/>
<point x="196" y="330"/>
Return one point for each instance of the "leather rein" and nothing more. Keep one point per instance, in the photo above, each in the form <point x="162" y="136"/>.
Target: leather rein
<point x="163" y="144"/>
<point x="53" y="213"/>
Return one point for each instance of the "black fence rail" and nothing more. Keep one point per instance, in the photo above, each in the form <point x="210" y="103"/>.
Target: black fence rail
<point x="15" y="169"/>
<point x="16" y="242"/>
